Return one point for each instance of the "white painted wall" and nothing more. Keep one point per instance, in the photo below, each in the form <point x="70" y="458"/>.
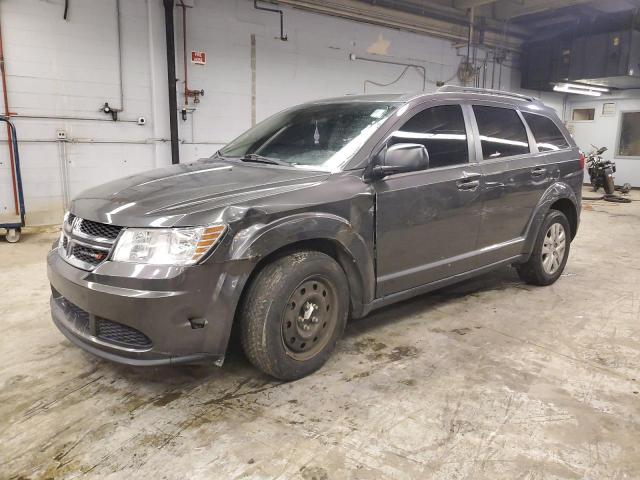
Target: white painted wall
<point x="69" y="69"/>
<point x="604" y="131"/>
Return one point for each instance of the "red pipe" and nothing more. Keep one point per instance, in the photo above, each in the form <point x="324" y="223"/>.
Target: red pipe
<point x="9" y="136"/>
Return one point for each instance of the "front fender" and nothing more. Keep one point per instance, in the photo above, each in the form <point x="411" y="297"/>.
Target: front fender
<point x="355" y="252"/>
<point x="555" y="192"/>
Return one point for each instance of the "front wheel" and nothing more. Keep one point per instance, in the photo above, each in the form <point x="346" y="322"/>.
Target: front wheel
<point x="550" y="252"/>
<point x="293" y="314"/>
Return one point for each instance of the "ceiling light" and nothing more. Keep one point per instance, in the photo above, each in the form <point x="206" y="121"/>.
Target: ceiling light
<point x="587" y="87"/>
<point x="568" y="88"/>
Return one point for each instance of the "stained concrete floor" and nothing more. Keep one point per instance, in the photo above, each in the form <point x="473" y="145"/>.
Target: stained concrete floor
<point x="489" y="379"/>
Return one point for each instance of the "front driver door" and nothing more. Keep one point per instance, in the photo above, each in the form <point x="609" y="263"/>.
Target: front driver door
<point x="427" y="222"/>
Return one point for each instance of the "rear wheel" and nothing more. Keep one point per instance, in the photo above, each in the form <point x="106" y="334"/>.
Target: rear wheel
<point x="609" y="186"/>
<point x="294" y="313"/>
<point x="550" y="252"/>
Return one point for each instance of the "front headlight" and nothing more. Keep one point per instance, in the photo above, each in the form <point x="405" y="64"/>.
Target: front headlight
<point x="166" y="246"/>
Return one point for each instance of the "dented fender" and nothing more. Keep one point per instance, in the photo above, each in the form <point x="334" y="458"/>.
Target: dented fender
<point x="258" y="241"/>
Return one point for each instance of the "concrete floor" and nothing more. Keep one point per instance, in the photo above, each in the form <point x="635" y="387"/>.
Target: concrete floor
<point x="489" y="379"/>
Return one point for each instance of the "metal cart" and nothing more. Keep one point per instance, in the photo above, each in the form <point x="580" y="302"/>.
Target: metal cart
<point x="13" y="226"/>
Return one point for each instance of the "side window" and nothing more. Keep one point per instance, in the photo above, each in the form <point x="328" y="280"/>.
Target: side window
<point x="502" y="133"/>
<point x="548" y="136"/>
<point x="441" y="130"/>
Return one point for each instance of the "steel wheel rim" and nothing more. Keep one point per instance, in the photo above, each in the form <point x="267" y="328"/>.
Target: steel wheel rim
<point x="554" y="248"/>
<point x="309" y="318"/>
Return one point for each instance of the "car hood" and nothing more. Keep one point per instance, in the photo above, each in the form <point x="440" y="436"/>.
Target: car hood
<point x="188" y="193"/>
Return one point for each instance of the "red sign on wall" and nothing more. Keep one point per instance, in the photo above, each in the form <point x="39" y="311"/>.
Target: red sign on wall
<point x="199" y="57"/>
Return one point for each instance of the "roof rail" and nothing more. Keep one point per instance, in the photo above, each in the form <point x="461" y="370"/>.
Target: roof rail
<point x="486" y="91"/>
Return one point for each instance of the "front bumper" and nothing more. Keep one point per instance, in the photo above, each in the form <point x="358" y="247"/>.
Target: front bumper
<point x="146" y="314"/>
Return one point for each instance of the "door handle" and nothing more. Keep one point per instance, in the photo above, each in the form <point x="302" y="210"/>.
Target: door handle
<point x="468" y="184"/>
<point x="538" y="171"/>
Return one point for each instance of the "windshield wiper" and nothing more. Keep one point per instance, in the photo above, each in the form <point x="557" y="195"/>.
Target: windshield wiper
<point x="254" y="157"/>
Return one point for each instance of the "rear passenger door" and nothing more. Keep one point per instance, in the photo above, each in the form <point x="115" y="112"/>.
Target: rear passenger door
<point x="427" y="221"/>
<point x="515" y="179"/>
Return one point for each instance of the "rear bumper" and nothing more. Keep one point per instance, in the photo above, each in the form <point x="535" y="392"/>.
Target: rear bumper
<point x="142" y="314"/>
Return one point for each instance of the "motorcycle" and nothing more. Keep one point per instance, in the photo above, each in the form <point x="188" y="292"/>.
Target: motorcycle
<point x="601" y="171"/>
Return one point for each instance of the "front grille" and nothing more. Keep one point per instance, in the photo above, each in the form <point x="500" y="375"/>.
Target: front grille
<point x="118" y="333"/>
<point x="100" y="230"/>
<point x="110" y="332"/>
<point x="88" y="255"/>
<point x="85" y="243"/>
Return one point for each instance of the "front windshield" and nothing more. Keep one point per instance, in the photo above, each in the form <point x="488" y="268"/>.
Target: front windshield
<point x="318" y="137"/>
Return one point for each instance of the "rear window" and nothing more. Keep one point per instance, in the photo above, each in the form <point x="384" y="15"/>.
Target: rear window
<point x="502" y="133"/>
<point x="548" y="136"/>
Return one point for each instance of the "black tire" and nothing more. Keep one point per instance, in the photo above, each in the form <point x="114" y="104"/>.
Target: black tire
<point x="293" y="314"/>
<point x="609" y="186"/>
<point x="535" y="271"/>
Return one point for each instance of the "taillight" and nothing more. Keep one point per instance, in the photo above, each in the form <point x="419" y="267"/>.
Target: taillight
<point x="582" y="161"/>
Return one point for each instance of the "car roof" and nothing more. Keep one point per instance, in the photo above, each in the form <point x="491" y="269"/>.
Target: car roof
<point x="446" y="92"/>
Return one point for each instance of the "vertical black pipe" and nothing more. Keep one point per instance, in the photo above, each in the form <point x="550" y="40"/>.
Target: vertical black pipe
<point x="171" y="80"/>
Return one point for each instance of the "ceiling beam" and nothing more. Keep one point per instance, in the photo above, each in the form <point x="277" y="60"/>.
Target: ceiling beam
<point x="429" y="8"/>
<point x="363" y="12"/>
<point x="465" y="4"/>
<point x="507" y="10"/>
<point x="553" y="21"/>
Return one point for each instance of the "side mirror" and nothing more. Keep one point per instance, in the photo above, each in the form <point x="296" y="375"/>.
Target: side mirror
<point x="401" y="158"/>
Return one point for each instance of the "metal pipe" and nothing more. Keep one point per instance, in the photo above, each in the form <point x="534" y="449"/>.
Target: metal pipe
<point x="151" y="141"/>
<point x="184" y="51"/>
<point x="283" y="36"/>
<point x="119" y="28"/>
<point x="470" y="38"/>
<point x="18" y="116"/>
<point x="64" y="173"/>
<point x="171" y="80"/>
<point x="7" y="113"/>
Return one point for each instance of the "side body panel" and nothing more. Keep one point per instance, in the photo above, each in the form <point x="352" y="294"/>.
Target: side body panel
<point x="515" y="188"/>
<point x="427" y="221"/>
<point x="426" y="227"/>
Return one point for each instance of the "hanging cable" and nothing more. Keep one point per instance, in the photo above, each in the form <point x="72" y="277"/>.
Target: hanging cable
<point x="404" y="71"/>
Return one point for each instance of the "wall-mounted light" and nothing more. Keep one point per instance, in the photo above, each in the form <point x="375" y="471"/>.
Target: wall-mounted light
<point x="578" y="89"/>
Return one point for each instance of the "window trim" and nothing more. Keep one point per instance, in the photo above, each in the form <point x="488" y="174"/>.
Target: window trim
<point x="530" y="139"/>
<point x="418" y="108"/>
<point x="619" y="136"/>
<point x="535" y="141"/>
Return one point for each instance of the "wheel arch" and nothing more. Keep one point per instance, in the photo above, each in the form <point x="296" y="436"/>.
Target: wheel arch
<point x="570" y="211"/>
<point x="329" y="247"/>
<point x="559" y="196"/>
<point x="325" y="233"/>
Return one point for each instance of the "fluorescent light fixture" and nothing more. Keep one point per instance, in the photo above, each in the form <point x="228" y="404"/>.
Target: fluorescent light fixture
<point x="586" y="87"/>
<point x="578" y="89"/>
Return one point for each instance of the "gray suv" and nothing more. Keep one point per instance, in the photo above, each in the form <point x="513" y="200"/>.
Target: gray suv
<point x="322" y="212"/>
